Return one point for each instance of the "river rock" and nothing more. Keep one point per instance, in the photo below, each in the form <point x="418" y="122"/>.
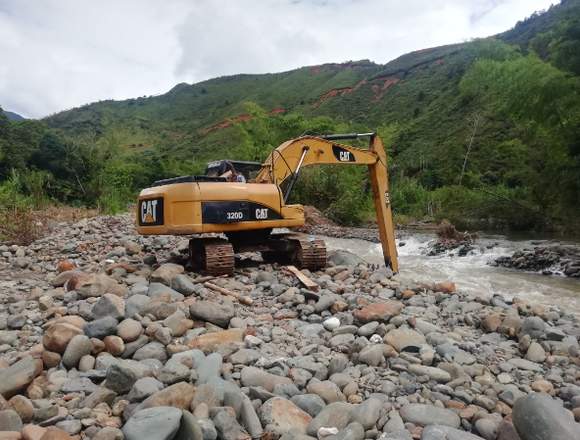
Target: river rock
<point x="368" y="412"/>
<point x="19" y="375"/>
<point x="160" y="423"/>
<point x="403" y="338"/>
<point x="10" y="420"/>
<point x="281" y="416"/>
<point x="539" y="417"/>
<point x="311" y="403"/>
<point x="252" y="376"/>
<point x="109" y="305"/>
<point x="424" y="415"/>
<point x="178" y="395"/>
<point x="442" y="432"/>
<point x="79" y="346"/>
<point x="129" y="330"/>
<point x="218" y="314"/>
<point x="382" y="311"/>
<point x="58" y="335"/>
<point x="336" y="415"/>
<point x="210" y="341"/>
<point x="326" y="389"/>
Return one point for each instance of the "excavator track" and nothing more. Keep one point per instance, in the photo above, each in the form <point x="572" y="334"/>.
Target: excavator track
<point x="310" y="253"/>
<point x="213" y="256"/>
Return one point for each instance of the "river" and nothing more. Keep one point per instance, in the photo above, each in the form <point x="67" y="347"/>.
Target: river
<point x="472" y="273"/>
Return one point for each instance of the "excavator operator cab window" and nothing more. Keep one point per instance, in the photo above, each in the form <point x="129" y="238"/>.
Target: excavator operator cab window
<point x="232" y="170"/>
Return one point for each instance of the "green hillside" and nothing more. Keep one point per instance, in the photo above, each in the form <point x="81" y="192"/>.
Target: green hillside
<point x="485" y="133"/>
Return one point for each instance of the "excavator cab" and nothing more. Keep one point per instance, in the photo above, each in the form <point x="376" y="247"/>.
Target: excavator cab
<point x="245" y="212"/>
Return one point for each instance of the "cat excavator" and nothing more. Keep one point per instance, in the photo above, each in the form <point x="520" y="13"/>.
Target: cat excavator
<point x="230" y="212"/>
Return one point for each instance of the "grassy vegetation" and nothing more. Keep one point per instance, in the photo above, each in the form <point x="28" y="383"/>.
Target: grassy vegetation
<point x="485" y="133"/>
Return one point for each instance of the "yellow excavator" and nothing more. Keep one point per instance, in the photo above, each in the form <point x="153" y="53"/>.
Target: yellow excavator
<point x="245" y="209"/>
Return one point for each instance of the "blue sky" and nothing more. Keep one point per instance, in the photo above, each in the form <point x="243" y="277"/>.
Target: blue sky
<point x="58" y="54"/>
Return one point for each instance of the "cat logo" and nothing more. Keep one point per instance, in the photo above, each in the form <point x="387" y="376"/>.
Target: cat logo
<point x="342" y="154"/>
<point x="261" y="213"/>
<point x="151" y="212"/>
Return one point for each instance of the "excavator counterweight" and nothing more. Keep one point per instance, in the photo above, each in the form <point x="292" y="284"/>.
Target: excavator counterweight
<point x="247" y="209"/>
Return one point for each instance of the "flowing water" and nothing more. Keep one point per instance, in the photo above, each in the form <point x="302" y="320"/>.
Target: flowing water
<point x="471" y="272"/>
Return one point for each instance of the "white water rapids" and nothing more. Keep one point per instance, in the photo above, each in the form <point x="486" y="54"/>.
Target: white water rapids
<point x="471" y="272"/>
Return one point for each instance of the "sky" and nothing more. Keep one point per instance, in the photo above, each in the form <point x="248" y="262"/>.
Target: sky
<point x="59" y="54"/>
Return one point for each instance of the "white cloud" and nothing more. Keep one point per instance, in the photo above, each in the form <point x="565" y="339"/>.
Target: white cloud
<point x="57" y="54"/>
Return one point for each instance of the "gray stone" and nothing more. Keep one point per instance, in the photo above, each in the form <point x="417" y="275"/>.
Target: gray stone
<point x="183" y="284"/>
<point x="245" y="356"/>
<point x="78" y="385"/>
<point x="121" y="377"/>
<point x="326" y="389"/>
<point x="160" y="423"/>
<point x="227" y="426"/>
<point x="341" y="257"/>
<point x="189" y="428"/>
<point x="99" y="395"/>
<point x="109" y="305"/>
<point x="172" y="372"/>
<point x="424" y="415"/>
<point x="158" y="290"/>
<point x="533" y="326"/>
<point x="536" y="353"/>
<point x="143" y="388"/>
<point x="354" y="431"/>
<point x="539" y="417"/>
<point x="102" y="327"/>
<point x="281" y="416"/>
<point x="209" y="368"/>
<point x="440" y="432"/>
<point x="311" y="403"/>
<point x="136" y="304"/>
<point x="79" y="346"/>
<point x="252" y="376"/>
<point x="436" y="374"/>
<point x="524" y="364"/>
<point x="71" y="427"/>
<point x="10" y="420"/>
<point x="368" y="412"/>
<point x="372" y="355"/>
<point x="218" y="314"/>
<point x="250" y="419"/>
<point x="368" y="329"/>
<point x="337" y="415"/>
<point x="152" y="350"/>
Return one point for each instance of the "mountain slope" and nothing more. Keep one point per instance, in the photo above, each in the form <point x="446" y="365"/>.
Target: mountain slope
<point x="461" y="123"/>
<point x="13" y="116"/>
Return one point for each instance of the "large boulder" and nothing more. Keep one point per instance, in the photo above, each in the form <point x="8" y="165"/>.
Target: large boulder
<point x="19" y="375"/>
<point x="425" y="415"/>
<point x="218" y="314"/>
<point x="539" y="417"/>
<point x="280" y="416"/>
<point x="382" y="311"/>
<point x="159" y="423"/>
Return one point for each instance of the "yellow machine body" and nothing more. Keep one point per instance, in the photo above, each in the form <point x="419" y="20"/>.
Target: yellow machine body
<point x="257" y="206"/>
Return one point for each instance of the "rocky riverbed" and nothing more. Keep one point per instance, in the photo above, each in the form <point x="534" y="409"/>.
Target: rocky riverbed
<point x="105" y="335"/>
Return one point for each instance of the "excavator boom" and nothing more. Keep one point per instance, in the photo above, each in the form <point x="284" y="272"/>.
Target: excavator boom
<point x="283" y="166"/>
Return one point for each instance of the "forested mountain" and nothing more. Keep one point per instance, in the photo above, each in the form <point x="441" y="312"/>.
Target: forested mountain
<point x="486" y="133"/>
<point x="13" y="116"/>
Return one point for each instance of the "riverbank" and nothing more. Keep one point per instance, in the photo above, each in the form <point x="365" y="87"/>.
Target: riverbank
<point x="105" y="335"/>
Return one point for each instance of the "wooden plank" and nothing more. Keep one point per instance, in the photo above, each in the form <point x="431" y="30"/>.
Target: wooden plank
<point x="241" y="298"/>
<point x="308" y="283"/>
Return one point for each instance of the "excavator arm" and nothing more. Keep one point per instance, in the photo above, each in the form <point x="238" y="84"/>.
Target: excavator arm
<point x="283" y="166"/>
